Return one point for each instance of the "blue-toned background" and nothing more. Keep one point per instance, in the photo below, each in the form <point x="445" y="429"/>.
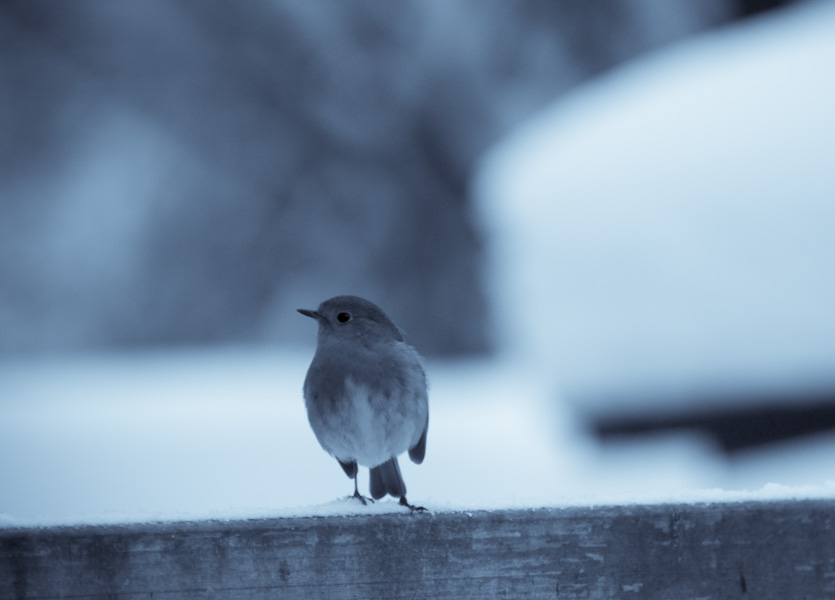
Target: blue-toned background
<point x="608" y="228"/>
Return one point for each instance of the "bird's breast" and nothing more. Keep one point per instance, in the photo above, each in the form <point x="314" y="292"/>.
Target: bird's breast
<point x="366" y="412"/>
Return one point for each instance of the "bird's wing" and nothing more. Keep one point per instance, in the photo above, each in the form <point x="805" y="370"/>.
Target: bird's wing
<point x="418" y="451"/>
<point x="350" y="468"/>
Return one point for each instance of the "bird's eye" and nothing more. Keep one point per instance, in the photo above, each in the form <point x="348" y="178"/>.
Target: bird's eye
<point x="343" y="317"/>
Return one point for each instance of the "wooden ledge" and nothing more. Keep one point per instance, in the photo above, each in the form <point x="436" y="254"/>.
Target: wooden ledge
<point x="757" y="550"/>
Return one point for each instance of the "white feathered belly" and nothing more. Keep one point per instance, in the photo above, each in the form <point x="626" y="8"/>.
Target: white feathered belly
<point x="371" y="428"/>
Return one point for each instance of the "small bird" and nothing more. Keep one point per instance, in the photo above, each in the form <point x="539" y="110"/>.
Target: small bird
<point x="366" y="394"/>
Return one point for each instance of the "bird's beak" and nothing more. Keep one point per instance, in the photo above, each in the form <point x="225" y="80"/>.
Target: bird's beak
<point x="310" y="313"/>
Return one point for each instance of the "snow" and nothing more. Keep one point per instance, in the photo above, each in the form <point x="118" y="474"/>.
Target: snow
<point x="668" y="225"/>
<point x="671" y="224"/>
<point x="222" y="434"/>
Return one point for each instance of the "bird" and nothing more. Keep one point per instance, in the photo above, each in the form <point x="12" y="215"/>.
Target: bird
<point x="366" y="394"/>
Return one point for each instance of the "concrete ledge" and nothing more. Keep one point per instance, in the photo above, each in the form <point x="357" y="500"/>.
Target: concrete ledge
<point x="757" y="550"/>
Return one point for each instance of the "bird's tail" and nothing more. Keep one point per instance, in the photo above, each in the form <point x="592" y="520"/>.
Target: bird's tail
<point x="386" y="479"/>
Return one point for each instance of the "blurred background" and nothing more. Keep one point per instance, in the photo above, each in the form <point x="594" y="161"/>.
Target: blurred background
<point x="178" y="178"/>
<point x="181" y="174"/>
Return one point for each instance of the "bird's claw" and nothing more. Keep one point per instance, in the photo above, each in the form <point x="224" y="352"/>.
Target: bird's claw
<point x="411" y="507"/>
<point x="362" y="498"/>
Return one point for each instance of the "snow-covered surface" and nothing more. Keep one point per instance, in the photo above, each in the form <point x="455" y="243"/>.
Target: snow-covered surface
<point x="668" y="225"/>
<point x="671" y="226"/>
<point x="222" y="434"/>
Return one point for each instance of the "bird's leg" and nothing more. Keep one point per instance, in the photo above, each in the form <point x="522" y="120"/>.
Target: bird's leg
<point x="411" y="507"/>
<point x="357" y="494"/>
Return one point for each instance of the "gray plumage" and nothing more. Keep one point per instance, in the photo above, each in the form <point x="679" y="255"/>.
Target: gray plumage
<point x="366" y="393"/>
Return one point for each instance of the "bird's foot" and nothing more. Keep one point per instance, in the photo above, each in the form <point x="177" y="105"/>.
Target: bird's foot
<point x="365" y="500"/>
<point x="411" y="507"/>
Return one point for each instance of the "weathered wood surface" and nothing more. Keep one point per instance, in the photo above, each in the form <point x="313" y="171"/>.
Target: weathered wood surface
<point x="779" y="550"/>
